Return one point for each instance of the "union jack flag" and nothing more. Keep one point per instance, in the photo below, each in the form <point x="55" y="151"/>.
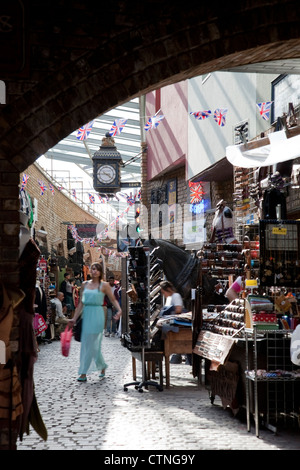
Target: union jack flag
<point x="117" y="127"/>
<point x="51" y="187"/>
<point x="60" y="188"/>
<point x="196" y="191"/>
<point x="24" y="180"/>
<point x="130" y="200"/>
<point x="84" y="131"/>
<point x="101" y="198"/>
<point x="74" y="194"/>
<point x="42" y="186"/>
<point x="201" y="114"/>
<point x="220" y="116"/>
<point x="153" y="122"/>
<point x="264" y="109"/>
<point x="91" y="198"/>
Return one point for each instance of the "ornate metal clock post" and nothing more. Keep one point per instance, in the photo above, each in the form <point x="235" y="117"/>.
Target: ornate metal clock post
<point x="106" y="167"/>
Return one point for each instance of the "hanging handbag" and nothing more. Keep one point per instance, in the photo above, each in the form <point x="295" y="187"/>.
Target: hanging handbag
<point x="65" y="341"/>
<point x="77" y="329"/>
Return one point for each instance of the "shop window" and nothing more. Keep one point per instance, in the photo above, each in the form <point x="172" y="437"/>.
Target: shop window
<point x="285" y="90"/>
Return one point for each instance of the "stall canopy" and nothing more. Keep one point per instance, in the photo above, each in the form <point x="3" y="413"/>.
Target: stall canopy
<point x="275" y="148"/>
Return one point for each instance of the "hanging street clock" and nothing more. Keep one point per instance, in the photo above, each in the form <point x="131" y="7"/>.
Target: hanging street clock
<point x="106" y="167"/>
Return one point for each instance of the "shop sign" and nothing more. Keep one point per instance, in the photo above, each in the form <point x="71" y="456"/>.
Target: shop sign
<point x="43" y="264"/>
<point x="279" y="231"/>
<point x="39" y="324"/>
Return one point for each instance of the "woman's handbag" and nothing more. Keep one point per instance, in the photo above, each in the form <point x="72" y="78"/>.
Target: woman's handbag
<point x="65" y="341"/>
<point x="77" y="329"/>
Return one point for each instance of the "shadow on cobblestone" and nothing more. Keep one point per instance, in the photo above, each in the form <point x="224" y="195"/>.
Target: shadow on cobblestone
<point x="99" y="415"/>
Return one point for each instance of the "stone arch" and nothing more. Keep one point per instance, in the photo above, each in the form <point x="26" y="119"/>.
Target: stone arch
<point x="141" y="46"/>
<point x="80" y="62"/>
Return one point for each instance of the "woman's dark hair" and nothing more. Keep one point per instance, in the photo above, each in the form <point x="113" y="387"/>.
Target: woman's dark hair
<point x="166" y="285"/>
<point x="99" y="267"/>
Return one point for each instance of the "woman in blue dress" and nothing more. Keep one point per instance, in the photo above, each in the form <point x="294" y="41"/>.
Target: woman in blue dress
<point x="93" y="319"/>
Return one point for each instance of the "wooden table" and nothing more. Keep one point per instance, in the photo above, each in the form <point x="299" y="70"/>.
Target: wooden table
<point x="177" y="343"/>
<point x="174" y="343"/>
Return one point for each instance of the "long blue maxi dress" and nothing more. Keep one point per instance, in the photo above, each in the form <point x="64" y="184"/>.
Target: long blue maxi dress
<point x="93" y="319"/>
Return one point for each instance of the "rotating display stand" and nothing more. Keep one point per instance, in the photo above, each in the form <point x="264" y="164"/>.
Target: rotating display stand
<point x="139" y="323"/>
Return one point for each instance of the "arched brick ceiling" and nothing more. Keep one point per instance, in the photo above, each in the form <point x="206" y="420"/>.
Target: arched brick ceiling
<point x="78" y="59"/>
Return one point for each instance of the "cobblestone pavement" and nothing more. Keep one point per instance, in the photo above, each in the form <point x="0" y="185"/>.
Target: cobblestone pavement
<point x="100" y="415"/>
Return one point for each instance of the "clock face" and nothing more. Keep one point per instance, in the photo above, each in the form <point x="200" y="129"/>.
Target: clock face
<point x="106" y="174"/>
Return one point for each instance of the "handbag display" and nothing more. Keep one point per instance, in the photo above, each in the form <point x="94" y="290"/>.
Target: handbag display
<point x="65" y="341"/>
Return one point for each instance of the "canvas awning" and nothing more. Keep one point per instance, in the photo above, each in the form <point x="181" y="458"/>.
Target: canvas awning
<point x="219" y="171"/>
<point x="276" y="148"/>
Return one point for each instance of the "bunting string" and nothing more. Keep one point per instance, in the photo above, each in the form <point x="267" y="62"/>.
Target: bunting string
<point x="104" y="233"/>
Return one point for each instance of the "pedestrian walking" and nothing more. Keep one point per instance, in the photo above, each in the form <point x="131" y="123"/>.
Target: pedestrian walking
<point x="111" y="323"/>
<point x="93" y="318"/>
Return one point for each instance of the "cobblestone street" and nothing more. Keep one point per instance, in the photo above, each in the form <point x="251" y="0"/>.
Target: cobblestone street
<point x="100" y="415"/>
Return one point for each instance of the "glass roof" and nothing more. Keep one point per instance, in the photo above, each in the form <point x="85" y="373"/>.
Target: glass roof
<point x="70" y="164"/>
<point x="128" y="143"/>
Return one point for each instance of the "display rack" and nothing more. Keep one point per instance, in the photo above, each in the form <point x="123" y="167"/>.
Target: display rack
<point x="280" y="253"/>
<point x="140" y="315"/>
<point x="278" y="376"/>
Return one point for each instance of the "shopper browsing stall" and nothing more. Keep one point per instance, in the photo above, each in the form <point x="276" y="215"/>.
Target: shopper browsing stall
<point x="174" y="301"/>
<point x="60" y="318"/>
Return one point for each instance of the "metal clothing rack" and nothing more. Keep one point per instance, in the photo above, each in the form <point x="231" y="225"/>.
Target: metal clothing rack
<point x="279" y="379"/>
<point x="139" y="254"/>
<point x="144" y="383"/>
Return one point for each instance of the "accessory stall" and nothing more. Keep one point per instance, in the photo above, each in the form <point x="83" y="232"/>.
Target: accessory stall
<point x="245" y="343"/>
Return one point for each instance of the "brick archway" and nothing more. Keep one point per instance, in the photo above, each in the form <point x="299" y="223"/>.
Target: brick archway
<point x="77" y="60"/>
<point x="85" y="60"/>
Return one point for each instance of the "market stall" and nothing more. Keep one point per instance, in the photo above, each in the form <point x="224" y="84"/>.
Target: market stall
<point x="246" y="343"/>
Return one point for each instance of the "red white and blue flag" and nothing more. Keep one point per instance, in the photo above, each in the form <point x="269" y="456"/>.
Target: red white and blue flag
<point x="24" y="181"/>
<point x="196" y="192"/>
<point x="91" y="198"/>
<point x="153" y="122"/>
<point x="51" y="187"/>
<point x="220" y="116"/>
<point x="117" y="127"/>
<point x="201" y="114"/>
<point x="264" y="109"/>
<point x="74" y="194"/>
<point x="42" y="186"/>
<point x="101" y="199"/>
<point x="83" y="131"/>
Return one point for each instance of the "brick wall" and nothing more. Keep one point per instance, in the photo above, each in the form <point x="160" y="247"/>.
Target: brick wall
<point x="55" y="209"/>
<point x="179" y="174"/>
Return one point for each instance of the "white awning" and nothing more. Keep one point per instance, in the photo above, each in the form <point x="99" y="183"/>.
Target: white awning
<point x="279" y="150"/>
